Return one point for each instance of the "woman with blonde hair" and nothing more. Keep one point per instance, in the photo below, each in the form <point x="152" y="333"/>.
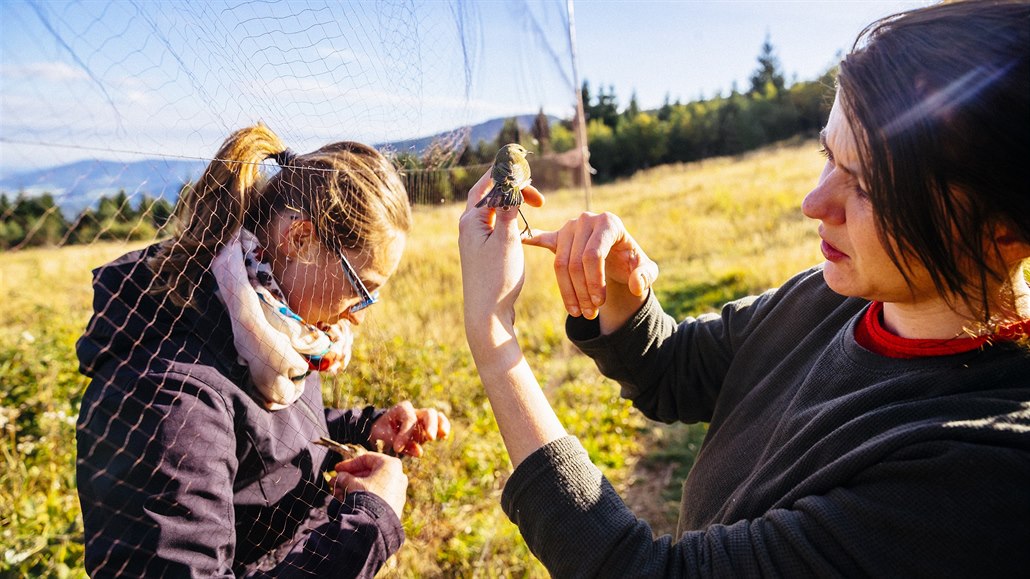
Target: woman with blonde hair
<point x="202" y="437"/>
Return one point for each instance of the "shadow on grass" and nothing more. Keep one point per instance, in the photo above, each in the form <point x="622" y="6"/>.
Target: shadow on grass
<point x="656" y="484"/>
<point x="708" y="296"/>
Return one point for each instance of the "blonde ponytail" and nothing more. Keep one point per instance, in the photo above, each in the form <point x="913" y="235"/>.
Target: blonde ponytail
<point x="212" y="209"/>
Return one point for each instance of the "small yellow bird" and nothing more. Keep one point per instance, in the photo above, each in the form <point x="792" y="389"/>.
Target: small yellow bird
<point x="511" y="174"/>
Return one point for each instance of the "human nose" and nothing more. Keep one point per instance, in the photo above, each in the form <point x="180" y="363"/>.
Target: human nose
<point x="355" y="318"/>
<point x="824" y="202"/>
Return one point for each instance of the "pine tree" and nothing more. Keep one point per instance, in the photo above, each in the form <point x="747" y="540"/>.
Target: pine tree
<point x="541" y="131"/>
<point x="767" y="79"/>
<point x="632" y="109"/>
<point x="510" y="132"/>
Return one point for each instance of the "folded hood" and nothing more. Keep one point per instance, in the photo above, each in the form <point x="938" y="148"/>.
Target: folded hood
<point x="130" y="321"/>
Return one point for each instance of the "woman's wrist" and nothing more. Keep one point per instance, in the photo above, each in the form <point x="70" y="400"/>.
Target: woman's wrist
<point x="488" y="331"/>
<point x="493" y="344"/>
<point x="620" y="305"/>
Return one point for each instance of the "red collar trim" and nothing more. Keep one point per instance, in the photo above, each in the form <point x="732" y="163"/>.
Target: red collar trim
<point x="871" y="335"/>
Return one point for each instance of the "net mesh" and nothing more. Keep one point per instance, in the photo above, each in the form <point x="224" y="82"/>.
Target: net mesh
<point x="144" y="137"/>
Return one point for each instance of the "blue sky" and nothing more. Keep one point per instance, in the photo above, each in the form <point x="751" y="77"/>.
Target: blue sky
<point x="689" y="48"/>
<point x="128" y="80"/>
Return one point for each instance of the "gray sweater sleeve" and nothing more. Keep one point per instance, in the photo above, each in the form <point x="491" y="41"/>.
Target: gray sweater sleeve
<point x="576" y="524"/>
<point x="574" y="521"/>
<point x="670" y="372"/>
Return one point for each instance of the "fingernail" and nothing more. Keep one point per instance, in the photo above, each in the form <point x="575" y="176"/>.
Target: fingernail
<point x="590" y="314"/>
<point x="596" y="300"/>
<point x="574" y="311"/>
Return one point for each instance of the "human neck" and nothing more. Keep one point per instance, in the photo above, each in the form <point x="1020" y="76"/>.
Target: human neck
<point x="938" y="318"/>
<point x="926" y="320"/>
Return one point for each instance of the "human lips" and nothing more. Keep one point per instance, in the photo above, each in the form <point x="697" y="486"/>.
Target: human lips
<point x="831" y="253"/>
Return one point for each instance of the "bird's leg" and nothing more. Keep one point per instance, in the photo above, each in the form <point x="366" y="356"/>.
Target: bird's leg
<point x="527" y="232"/>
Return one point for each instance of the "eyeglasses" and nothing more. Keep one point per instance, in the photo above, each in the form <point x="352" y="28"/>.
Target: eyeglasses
<point x="367" y="298"/>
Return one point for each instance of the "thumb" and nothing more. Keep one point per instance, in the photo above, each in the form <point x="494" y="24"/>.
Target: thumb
<point x="359" y="465"/>
<point x="532" y="196"/>
<point x="478" y="191"/>
<point x="643" y="277"/>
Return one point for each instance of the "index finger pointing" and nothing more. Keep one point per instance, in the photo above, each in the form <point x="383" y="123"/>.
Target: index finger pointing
<point x="545" y="239"/>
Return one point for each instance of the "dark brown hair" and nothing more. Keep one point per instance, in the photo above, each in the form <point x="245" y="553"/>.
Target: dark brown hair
<point x="351" y="192"/>
<point x="940" y="100"/>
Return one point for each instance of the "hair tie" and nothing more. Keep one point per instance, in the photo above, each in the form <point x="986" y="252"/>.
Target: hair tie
<point x="285" y="157"/>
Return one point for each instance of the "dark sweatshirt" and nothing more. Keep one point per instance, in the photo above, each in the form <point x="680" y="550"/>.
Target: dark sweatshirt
<point x="822" y="459"/>
<point x="182" y="472"/>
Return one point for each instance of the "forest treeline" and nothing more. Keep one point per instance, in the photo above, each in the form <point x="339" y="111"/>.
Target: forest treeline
<point x="626" y="139"/>
<point x="29" y="221"/>
<point x="621" y="141"/>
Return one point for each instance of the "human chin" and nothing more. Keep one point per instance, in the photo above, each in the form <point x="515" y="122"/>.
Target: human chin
<point x="840" y="279"/>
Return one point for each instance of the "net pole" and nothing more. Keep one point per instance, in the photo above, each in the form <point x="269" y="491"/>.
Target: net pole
<point x="581" y="125"/>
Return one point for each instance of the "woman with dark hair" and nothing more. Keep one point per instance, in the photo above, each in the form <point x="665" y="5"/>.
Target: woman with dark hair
<point x="870" y="417"/>
<point x="202" y="437"/>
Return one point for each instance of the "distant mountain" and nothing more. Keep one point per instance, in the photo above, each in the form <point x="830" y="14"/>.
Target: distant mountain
<point x="485" y="131"/>
<point x="79" y="185"/>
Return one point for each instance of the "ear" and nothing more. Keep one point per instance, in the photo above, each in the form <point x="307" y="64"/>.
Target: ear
<point x="1011" y="246"/>
<point x="300" y="240"/>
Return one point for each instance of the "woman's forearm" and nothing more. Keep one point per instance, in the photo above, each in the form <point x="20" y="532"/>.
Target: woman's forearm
<point x="524" y="416"/>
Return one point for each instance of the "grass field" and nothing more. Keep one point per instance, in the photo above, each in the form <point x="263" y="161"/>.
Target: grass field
<point x="719" y="229"/>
